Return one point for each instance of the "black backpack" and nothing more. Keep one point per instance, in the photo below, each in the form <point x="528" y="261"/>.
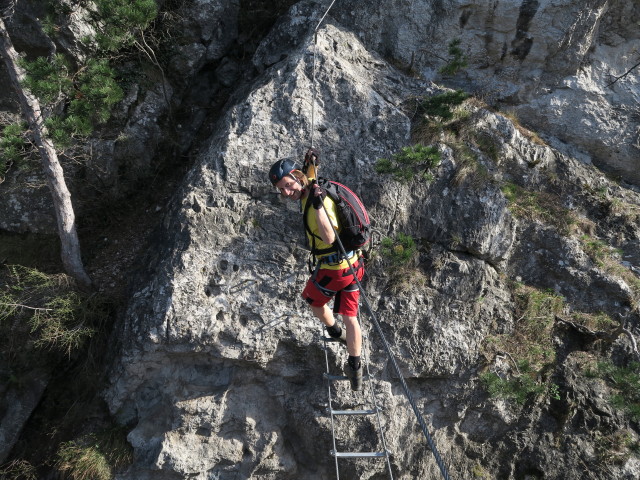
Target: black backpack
<point x="354" y="220"/>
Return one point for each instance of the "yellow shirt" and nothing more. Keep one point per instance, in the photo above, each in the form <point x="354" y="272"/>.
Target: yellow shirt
<point x="332" y="212"/>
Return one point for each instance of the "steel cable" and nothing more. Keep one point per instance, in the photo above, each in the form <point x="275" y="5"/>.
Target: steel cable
<point x="385" y="344"/>
<point x="376" y="324"/>
<point x="313" y="81"/>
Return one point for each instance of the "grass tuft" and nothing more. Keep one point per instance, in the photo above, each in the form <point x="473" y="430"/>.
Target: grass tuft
<point x="542" y="206"/>
<point x="529" y="347"/>
<point x="417" y="160"/>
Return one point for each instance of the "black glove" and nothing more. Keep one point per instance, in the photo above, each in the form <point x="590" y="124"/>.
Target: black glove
<point x="318" y="193"/>
<point x="312" y="157"/>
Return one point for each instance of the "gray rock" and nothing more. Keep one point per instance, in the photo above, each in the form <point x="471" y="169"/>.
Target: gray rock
<point x="219" y="368"/>
<point x="219" y="346"/>
<point x="552" y="62"/>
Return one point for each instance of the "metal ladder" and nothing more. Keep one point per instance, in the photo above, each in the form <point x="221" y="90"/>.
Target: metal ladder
<point x="372" y="408"/>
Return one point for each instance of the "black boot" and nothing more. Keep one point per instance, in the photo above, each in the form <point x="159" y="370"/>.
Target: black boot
<point x="354" y="376"/>
<point x="337" y="333"/>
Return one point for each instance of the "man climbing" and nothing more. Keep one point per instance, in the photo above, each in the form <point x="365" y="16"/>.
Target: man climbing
<point x="332" y="277"/>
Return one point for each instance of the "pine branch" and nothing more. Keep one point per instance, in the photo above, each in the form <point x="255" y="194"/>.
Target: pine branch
<point x="36" y="309"/>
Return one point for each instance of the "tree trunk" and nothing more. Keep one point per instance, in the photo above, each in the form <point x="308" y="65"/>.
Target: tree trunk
<point x="71" y="258"/>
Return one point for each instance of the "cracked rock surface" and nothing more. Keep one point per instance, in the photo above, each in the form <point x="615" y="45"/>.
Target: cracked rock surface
<point x="220" y="371"/>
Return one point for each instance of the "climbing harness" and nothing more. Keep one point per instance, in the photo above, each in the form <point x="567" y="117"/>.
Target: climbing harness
<point x="407" y="392"/>
<point x="375" y="410"/>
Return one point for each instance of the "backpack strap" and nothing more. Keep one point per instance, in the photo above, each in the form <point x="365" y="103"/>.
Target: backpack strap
<point x="314" y="250"/>
<point x="305" y="220"/>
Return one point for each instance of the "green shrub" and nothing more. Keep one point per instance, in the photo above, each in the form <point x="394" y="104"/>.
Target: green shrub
<point x="57" y="325"/>
<point x="97" y="91"/>
<point x="48" y="78"/>
<point x="400" y="250"/>
<point x="410" y="161"/>
<point x="608" y="259"/>
<point x="79" y="462"/>
<point x="13" y="146"/>
<point x="518" y="388"/>
<point x="53" y="316"/>
<point x="121" y="21"/>
<point x="529" y="347"/>
<point x="457" y="59"/>
<point x="487" y="144"/>
<point x="540" y="206"/>
<point x="92" y="92"/>
<point x="95" y="456"/>
<point x="599" y="251"/>
<point x="626" y="382"/>
<point x="63" y="130"/>
<point x="615" y="447"/>
<point x="440" y="105"/>
<point x="594" y="321"/>
<point x="479" y="472"/>
<point x="18" y="470"/>
<point x="469" y="169"/>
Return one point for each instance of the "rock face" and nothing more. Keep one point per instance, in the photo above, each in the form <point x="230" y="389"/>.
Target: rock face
<point x="220" y="366"/>
<point x="553" y="61"/>
<point x="559" y="65"/>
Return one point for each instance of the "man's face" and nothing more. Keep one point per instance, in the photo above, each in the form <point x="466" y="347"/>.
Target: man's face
<point x="290" y="188"/>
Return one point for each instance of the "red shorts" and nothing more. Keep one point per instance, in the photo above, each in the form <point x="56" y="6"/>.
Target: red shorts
<point x="326" y="284"/>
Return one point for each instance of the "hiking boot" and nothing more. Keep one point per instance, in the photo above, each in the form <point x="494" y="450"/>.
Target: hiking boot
<point x="354" y="376"/>
<point x="342" y="338"/>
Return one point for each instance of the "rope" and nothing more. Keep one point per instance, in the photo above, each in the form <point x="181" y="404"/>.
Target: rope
<point x="366" y="359"/>
<point x="313" y="84"/>
<point x="376" y="324"/>
<point x="407" y="392"/>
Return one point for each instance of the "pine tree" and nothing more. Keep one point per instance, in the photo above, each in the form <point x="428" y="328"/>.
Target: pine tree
<point x="71" y="258"/>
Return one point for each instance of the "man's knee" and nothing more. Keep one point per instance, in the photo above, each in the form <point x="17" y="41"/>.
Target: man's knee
<point x="349" y="320"/>
<point x="322" y="312"/>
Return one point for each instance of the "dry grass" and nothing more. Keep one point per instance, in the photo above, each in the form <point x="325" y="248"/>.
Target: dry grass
<point x="529" y="134"/>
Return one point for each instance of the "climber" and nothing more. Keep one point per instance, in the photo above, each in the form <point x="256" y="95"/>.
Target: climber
<point x="332" y="277"/>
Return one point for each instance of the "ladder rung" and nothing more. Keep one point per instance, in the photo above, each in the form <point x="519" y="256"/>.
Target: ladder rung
<point x="341" y="377"/>
<point x="359" y="454"/>
<point x="355" y="412"/>
<point x="330" y="339"/>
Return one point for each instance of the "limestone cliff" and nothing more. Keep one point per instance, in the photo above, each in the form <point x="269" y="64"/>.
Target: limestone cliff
<point x="220" y="368"/>
<point x="218" y="364"/>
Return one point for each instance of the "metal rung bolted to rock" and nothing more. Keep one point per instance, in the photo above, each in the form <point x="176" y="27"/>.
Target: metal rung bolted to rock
<point x="360" y="454"/>
<point x="333" y="378"/>
<point x="369" y="411"/>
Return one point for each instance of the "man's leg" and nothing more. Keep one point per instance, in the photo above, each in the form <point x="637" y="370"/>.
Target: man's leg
<point x="354" y="335"/>
<point x="347" y="305"/>
<point x="353" y="367"/>
<point x="325" y="315"/>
